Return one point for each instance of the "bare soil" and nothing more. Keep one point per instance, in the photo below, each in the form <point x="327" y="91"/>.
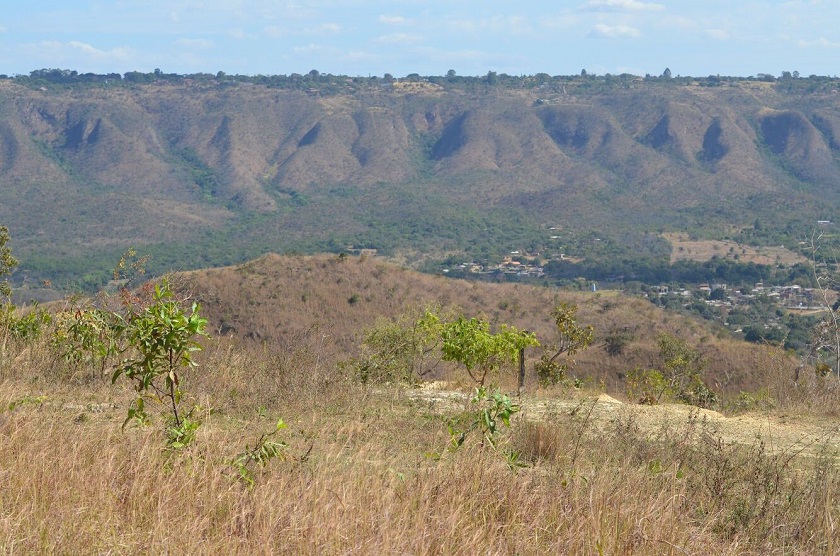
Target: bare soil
<point x="781" y="433"/>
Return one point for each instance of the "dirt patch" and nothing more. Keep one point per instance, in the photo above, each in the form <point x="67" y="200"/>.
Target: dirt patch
<point x="780" y="433"/>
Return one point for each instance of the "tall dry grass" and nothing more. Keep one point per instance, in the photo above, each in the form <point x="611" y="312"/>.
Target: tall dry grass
<point x="358" y="477"/>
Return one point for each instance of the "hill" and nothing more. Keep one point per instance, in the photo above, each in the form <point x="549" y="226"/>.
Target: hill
<point x="216" y="171"/>
<point x="281" y="448"/>
<point x="327" y="301"/>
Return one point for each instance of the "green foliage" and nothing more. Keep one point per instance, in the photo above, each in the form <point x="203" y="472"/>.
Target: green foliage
<point x="571" y="338"/>
<point x="24" y="401"/>
<point x="7" y="261"/>
<point x="646" y="386"/>
<point x="400" y="350"/>
<point x="682" y="369"/>
<point x="181" y="435"/>
<point x="89" y="337"/>
<point x="679" y="379"/>
<point x="470" y="343"/>
<point x="25" y="327"/>
<point x="491" y="410"/>
<point x="263" y="451"/>
<point x="161" y="338"/>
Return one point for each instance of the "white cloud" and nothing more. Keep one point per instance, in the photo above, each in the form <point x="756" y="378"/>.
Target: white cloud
<point x="119" y="53"/>
<point x="399" y="38"/>
<point x="604" y="31"/>
<point x="625" y="5"/>
<point x="200" y="44"/>
<point x="328" y="28"/>
<point x="312" y="48"/>
<point x="393" y="20"/>
<point x="718" y="34"/>
<point x="275" y="32"/>
<point x="821" y="42"/>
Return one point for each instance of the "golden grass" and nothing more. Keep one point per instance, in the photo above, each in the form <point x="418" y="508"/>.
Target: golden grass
<point x="358" y="478"/>
<point x="276" y="300"/>
<point x="703" y="250"/>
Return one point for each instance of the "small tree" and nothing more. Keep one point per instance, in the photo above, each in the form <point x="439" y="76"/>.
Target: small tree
<point x="401" y="350"/>
<point x="571" y="338"/>
<point x="162" y="338"/>
<point x="682" y="369"/>
<point x="7" y="261"/>
<point x="470" y="343"/>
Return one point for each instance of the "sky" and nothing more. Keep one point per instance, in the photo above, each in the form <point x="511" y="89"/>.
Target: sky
<point x="429" y="37"/>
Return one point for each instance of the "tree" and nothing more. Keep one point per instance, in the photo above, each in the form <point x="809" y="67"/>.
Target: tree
<point x="571" y="338"/>
<point x="162" y="338"/>
<point x="470" y="343"/>
<point x="682" y="369"/>
<point x="667" y="73"/>
<point x="404" y="349"/>
<point x="717" y="294"/>
<point x="825" y="338"/>
<point x="7" y="261"/>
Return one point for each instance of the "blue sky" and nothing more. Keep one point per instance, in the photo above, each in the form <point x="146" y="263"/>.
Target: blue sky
<point x="429" y="37"/>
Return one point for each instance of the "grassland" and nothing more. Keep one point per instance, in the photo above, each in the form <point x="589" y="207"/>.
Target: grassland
<point x="368" y="469"/>
<point x="357" y="475"/>
<point x="685" y="248"/>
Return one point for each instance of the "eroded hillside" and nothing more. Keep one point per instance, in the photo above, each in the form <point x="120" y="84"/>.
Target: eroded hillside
<point x="241" y="169"/>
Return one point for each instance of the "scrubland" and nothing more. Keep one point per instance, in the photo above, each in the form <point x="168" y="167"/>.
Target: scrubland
<point x="367" y="469"/>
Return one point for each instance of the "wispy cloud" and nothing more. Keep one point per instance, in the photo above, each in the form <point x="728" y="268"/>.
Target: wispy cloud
<point x="326" y="28"/>
<point x="623" y="5"/>
<point x="399" y="38"/>
<point x="119" y="53"/>
<point x="393" y="20"/>
<point x="604" y="31"/>
<point x="718" y="34"/>
<point x="821" y="42"/>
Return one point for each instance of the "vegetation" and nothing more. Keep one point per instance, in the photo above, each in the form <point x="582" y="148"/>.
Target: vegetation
<point x="7" y="261"/>
<point x="571" y="338"/>
<point x="237" y="169"/>
<point x="352" y="467"/>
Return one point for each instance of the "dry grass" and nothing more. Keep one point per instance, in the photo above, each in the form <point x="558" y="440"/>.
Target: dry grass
<point x="274" y="300"/>
<point x="703" y="250"/>
<point x="358" y="478"/>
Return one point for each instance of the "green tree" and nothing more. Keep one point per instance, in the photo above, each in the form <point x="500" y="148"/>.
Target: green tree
<point x="470" y="343"/>
<point x="401" y="350"/>
<point x="7" y="261"/>
<point x="571" y="338"/>
<point x="683" y="367"/>
<point x="162" y="337"/>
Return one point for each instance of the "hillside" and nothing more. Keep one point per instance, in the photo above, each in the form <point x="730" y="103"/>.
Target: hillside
<point x="215" y="172"/>
<point x="326" y="301"/>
